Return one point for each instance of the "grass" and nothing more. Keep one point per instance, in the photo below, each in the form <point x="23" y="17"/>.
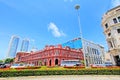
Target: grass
<point x="52" y="68"/>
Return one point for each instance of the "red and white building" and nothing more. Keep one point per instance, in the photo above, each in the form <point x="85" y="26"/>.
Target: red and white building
<point x="50" y="56"/>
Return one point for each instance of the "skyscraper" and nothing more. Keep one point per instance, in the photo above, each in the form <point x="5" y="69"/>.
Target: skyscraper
<point x="25" y="45"/>
<point x="13" y="45"/>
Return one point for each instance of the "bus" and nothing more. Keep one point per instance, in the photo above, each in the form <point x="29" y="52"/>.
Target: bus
<point x="70" y="63"/>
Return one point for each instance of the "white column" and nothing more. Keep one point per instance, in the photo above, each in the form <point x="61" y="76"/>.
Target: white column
<point x="112" y="59"/>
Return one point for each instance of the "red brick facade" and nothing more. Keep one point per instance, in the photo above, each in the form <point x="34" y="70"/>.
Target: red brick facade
<point x="50" y="56"/>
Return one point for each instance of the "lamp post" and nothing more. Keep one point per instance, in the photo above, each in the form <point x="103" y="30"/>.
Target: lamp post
<point x="77" y="7"/>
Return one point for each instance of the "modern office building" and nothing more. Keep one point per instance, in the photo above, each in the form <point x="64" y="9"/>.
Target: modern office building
<point x="93" y="53"/>
<point x="13" y="45"/>
<point x="50" y="56"/>
<point x="111" y="26"/>
<point x="25" y="45"/>
<point x="74" y="44"/>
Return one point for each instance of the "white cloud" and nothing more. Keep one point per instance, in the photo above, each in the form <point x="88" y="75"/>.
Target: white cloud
<point x="55" y="31"/>
<point x="115" y="3"/>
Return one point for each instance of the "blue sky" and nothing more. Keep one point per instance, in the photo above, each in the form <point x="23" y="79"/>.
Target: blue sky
<point x="47" y="22"/>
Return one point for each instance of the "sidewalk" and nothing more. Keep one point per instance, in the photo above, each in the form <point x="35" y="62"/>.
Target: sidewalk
<point x="66" y="77"/>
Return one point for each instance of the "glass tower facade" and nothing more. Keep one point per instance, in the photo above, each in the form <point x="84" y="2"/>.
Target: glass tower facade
<point x="13" y="45"/>
<point x="74" y="44"/>
<point x="25" y="45"/>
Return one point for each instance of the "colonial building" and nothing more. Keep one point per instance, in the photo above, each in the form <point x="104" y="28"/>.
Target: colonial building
<point x="107" y="58"/>
<point x="111" y="26"/>
<point x="93" y="53"/>
<point x="50" y="56"/>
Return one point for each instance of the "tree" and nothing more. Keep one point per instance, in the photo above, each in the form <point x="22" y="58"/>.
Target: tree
<point x="1" y="61"/>
<point x="9" y="60"/>
<point x="82" y="62"/>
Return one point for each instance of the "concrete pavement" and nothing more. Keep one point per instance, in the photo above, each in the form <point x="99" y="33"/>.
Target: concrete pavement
<point x="66" y="77"/>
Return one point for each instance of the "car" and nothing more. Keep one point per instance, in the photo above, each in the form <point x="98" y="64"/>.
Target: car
<point x="98" y="65"/>
<point x="17" y="66"/>
<point x="78" y="64"/>
<point x="8" y="65"/>
<point x="30" y="65"/>
<point x="108" y="64"/>
<point x="2" y="65"/>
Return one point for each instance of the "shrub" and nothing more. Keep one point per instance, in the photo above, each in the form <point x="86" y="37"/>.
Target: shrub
<point x="74" y="67"/>
<point x="29" y="67"/>
<point x="14" y="73"/>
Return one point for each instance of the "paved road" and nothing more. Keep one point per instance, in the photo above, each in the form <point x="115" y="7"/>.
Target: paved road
<point x="66" y="77"/>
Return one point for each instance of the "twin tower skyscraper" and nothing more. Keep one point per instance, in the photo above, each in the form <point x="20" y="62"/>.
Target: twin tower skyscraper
<point x="13" y="46"/>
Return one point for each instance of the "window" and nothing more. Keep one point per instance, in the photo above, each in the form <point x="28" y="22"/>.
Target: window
<point x="56" y="52"/>
<point x="118" y="10"/>
<point x="113" y="41"/>
<point x="115" y="20"/>
<point x="106" y="25"/>
<point x="119" y="18"/>
<point x="98" y="52"/>
<point x="118" y="30"/>
<point x="88" y="49"/>
<point x="110" y="43"/>
<point x="109" y="34"/>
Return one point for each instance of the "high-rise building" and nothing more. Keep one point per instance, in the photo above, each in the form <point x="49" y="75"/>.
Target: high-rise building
<point x="111" y="26"/>
<point x="13" y="45"/>
<point x="25" y="45"/>
<point x="93" y="53"/>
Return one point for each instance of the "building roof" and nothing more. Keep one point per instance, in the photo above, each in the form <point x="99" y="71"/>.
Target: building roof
<point x="113" y="9"/>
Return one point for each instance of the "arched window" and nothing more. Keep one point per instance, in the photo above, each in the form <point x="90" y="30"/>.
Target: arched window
<point x="50" y="63"/>
<point x="45" y="63"/>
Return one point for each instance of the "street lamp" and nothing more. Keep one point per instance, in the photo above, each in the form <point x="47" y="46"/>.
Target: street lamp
<point x="77" y="7"/>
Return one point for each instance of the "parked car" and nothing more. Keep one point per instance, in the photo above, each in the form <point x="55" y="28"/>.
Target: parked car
<point x="108" y="64"/>
<point x="30" y="65"/>
<point x="17" y="66"/>
<point x="2" y="65"/>
<point x="8" y="65"/>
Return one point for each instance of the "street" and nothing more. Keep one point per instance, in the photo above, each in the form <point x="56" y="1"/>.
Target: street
<point x="66" y="77"/>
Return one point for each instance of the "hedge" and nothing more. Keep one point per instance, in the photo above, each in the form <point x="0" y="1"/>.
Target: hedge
<point x="58" y="72"/>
